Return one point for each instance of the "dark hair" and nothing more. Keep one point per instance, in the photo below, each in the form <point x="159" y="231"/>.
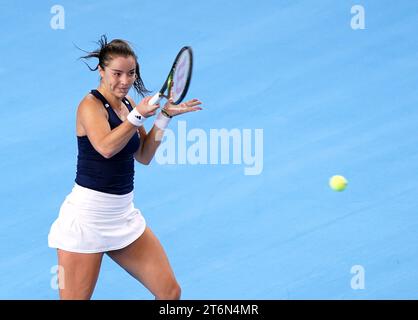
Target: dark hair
<point x="107" y="51"/>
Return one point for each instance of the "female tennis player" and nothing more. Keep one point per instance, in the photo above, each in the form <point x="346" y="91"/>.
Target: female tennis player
<point x="99" y="215"/>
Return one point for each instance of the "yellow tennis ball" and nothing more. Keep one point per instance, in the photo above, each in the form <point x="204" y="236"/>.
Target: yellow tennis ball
<point x="338" y="183"/>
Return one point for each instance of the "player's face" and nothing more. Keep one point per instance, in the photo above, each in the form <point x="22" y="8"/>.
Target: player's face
<point x="119" y="75"/>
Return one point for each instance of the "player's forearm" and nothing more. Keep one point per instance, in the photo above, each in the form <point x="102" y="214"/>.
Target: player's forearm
<point x="117" y="139"/>
<point x="149" y="145"/>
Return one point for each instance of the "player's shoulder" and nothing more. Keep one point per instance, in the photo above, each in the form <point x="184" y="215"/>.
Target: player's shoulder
<point x="90" y="104"/>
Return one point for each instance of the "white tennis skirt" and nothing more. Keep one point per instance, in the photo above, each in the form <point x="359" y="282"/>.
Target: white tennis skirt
<point x="90" y="221"/>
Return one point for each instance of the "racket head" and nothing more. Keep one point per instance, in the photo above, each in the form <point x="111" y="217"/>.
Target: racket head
<point x="178" y="80"/>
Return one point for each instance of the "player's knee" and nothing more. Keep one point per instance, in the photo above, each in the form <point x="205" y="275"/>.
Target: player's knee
<point x="76" y="291"/>
<point x="176" y="293"/>
<point x="172" y="292"/>
<point x="66" y="294"/>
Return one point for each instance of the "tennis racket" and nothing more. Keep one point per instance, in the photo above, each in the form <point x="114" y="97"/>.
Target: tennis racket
<point x="178" y="80"/>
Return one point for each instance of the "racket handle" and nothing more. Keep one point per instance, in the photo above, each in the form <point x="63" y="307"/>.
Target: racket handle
<point x="155" y="99"/>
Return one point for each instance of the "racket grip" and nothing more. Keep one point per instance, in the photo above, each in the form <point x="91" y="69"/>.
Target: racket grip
<point x="155" y="99"/>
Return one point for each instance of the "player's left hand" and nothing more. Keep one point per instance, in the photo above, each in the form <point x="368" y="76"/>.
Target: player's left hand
<point x="184" y="107"/>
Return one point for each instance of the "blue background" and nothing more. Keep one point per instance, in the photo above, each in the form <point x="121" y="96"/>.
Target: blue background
<point x="330" y="100"/>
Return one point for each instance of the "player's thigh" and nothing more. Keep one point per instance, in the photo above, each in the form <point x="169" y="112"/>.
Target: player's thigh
<point x="77" y="274"/>
<point x="146" y="260"/>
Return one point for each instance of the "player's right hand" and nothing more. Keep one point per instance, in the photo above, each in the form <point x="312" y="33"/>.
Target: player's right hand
<point x="145" y="109"/>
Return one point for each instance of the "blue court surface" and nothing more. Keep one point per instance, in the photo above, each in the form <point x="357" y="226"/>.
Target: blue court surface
<point x="303" y="90"/>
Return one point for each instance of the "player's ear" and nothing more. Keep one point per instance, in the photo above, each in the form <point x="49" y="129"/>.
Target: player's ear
<point x="101" y="72"/>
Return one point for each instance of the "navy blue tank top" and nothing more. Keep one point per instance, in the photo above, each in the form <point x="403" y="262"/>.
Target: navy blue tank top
<point x="114" y="175"/>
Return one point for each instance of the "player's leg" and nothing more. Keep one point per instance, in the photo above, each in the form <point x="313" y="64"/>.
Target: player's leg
<point x="146" y="261"/>
<point x="80" y="273"/>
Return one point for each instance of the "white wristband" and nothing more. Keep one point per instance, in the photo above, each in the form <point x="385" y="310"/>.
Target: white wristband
<point x="136" y="118"/>
<point x="162" y="121"/>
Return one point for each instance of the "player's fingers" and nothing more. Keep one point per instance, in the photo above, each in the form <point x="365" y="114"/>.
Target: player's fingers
<point x="193" y="102"/>
<point x="155" y="106"/>
<point x="189" y="109"/>
<point x="146" y="99"/>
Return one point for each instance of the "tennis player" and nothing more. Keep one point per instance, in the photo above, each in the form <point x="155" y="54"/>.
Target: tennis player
<point x="99" y="215"/>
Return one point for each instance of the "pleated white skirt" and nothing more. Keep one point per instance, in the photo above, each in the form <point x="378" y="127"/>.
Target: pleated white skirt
<point x="90" y="221"/>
